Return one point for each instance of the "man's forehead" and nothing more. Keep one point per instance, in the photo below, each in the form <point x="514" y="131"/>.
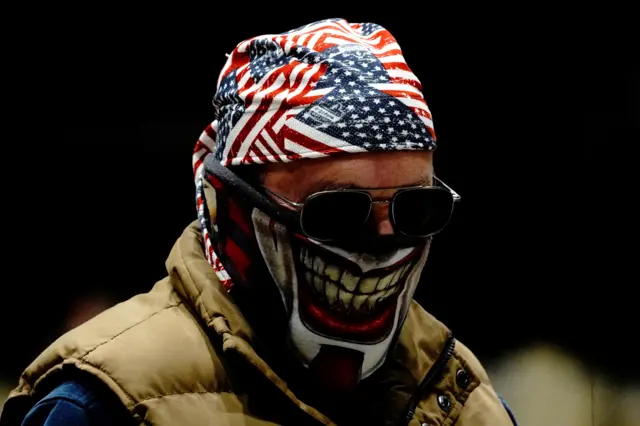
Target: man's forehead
<point x="372" y="170"/>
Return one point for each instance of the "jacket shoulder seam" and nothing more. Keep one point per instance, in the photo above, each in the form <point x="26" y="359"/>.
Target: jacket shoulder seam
<point x="121" y="332"/>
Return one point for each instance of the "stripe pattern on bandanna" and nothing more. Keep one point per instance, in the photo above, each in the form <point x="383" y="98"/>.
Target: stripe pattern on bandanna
<point x="328" y="88"/>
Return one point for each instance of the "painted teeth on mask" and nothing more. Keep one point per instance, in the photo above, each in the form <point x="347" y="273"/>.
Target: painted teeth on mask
<point x="332" y="292"/>
<point x="318" y="284"/>
<point x="368" y="285"/>
<point x="371" y="291"/>
<point x="349" y="281"/>
<point x="306" y="259"/>
<point x="345" y="298"/>
<point x="318" y="265"/>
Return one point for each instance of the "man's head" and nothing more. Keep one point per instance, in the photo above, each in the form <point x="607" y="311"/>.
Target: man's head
<point x="330" y="124"/>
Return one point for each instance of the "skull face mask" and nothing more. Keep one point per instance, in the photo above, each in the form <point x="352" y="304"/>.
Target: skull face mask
<point x="328" y="88"/>
<point x="336" y="298"/>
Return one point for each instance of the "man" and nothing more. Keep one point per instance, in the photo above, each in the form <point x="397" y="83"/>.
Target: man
<point x="290" y="300"/>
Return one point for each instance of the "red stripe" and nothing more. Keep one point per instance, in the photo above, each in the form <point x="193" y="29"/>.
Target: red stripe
<point x="397" y="66"/>
<point x="309" y="143"/>
<point x="270" y="150"/>
<point x="239" y="218"/>
<point x="217" y="185"/>
<point x="351" y="39"/>
<point x="400" y="80"/>
<point x="240" y="259"/>
<point x="262" y="108"/>
<point x="210" y="132"/>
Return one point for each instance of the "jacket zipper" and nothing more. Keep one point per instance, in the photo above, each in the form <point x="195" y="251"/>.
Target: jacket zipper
<point x="432" y="374"/>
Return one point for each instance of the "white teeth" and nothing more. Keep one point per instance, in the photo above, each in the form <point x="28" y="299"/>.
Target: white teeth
<point x="345" y="298"/>
<point x="391" y="290"/>
<point x="396" y="277"/>
<point x="318" y="265"/>
<point x="332" y="272"/>
<point x="359" y="300"/>
<point x="367" y="285"/>
<point x="318" y="283"/>
<point x="308" y="262"/>
<point x="372" y="300"/>
<point x="385" y="281"/>
<point x="349" y="281"/>
<point x="324" y="277"/>
<point x="332" y="292"/>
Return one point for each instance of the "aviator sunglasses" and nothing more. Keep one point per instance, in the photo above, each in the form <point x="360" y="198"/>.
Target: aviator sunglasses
<point x="338" y="215"/>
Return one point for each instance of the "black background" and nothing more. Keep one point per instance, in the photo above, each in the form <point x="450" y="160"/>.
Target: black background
<point x="536" y="117"/>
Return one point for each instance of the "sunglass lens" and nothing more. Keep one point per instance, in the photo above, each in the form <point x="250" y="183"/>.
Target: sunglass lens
<point x="422" y="211"/>
<point x="335" y="215"/>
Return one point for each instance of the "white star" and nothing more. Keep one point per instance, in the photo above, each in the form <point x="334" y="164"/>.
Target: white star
<point x="361" y="99"/>
<point x="371" y="92"/>
<point x="369" y="73"/>
<point x="324" y="77"/>
<point x="347" y="73"/>
<point x="365" y="65"/>
<point x="357" y="91"/>
<point x="365" y="109"/>
<point x="394" y="139"/>
<point x="382" y="110"/>
<point x="396" y="112"/>
<point x="358" y="126"/>
<point x="401" y="122"/>
<point x="330" y="98"/>
<point x="350" y="107"/>
<point x="383" y="145"/>
<point x="346" y="134"/>
<point x="346" y="98"/>
<point x="366" y="144"/>
<point x="306" y="115"/>
<point x="379" y="136"/>
<point x="390" y="129"/>
<point x="354" y="116"/>
<point x="405" y="133"/>
<point x="351" y="63"/>
<point x="333" y="71"/>
<point x="361" y="78"/>
<point x="387" y="119"/>
<point x="382" y="77"/>
<point x="342" y="91"/>
<point x="413" y="126"/>
<point x="342" y="125"/>
<point x="376" y="101"/>
<point x="352" y="83"/>
<point x="376" y="127"/>
<point x="370" y="118"/>
<point x="338" y="80"/>
<point x="391" y="103"/>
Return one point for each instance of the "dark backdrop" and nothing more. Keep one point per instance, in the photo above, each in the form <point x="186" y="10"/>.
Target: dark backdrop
<point x="536" y="119"/>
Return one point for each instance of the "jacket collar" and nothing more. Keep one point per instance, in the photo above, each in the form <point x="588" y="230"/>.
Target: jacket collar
<point x="419" y="344"/>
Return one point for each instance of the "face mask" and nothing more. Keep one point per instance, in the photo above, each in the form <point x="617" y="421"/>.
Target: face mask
<point x="344" y="308"/>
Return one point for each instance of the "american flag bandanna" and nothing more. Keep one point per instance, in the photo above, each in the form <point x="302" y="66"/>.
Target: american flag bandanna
<point x="327" y="88"/>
